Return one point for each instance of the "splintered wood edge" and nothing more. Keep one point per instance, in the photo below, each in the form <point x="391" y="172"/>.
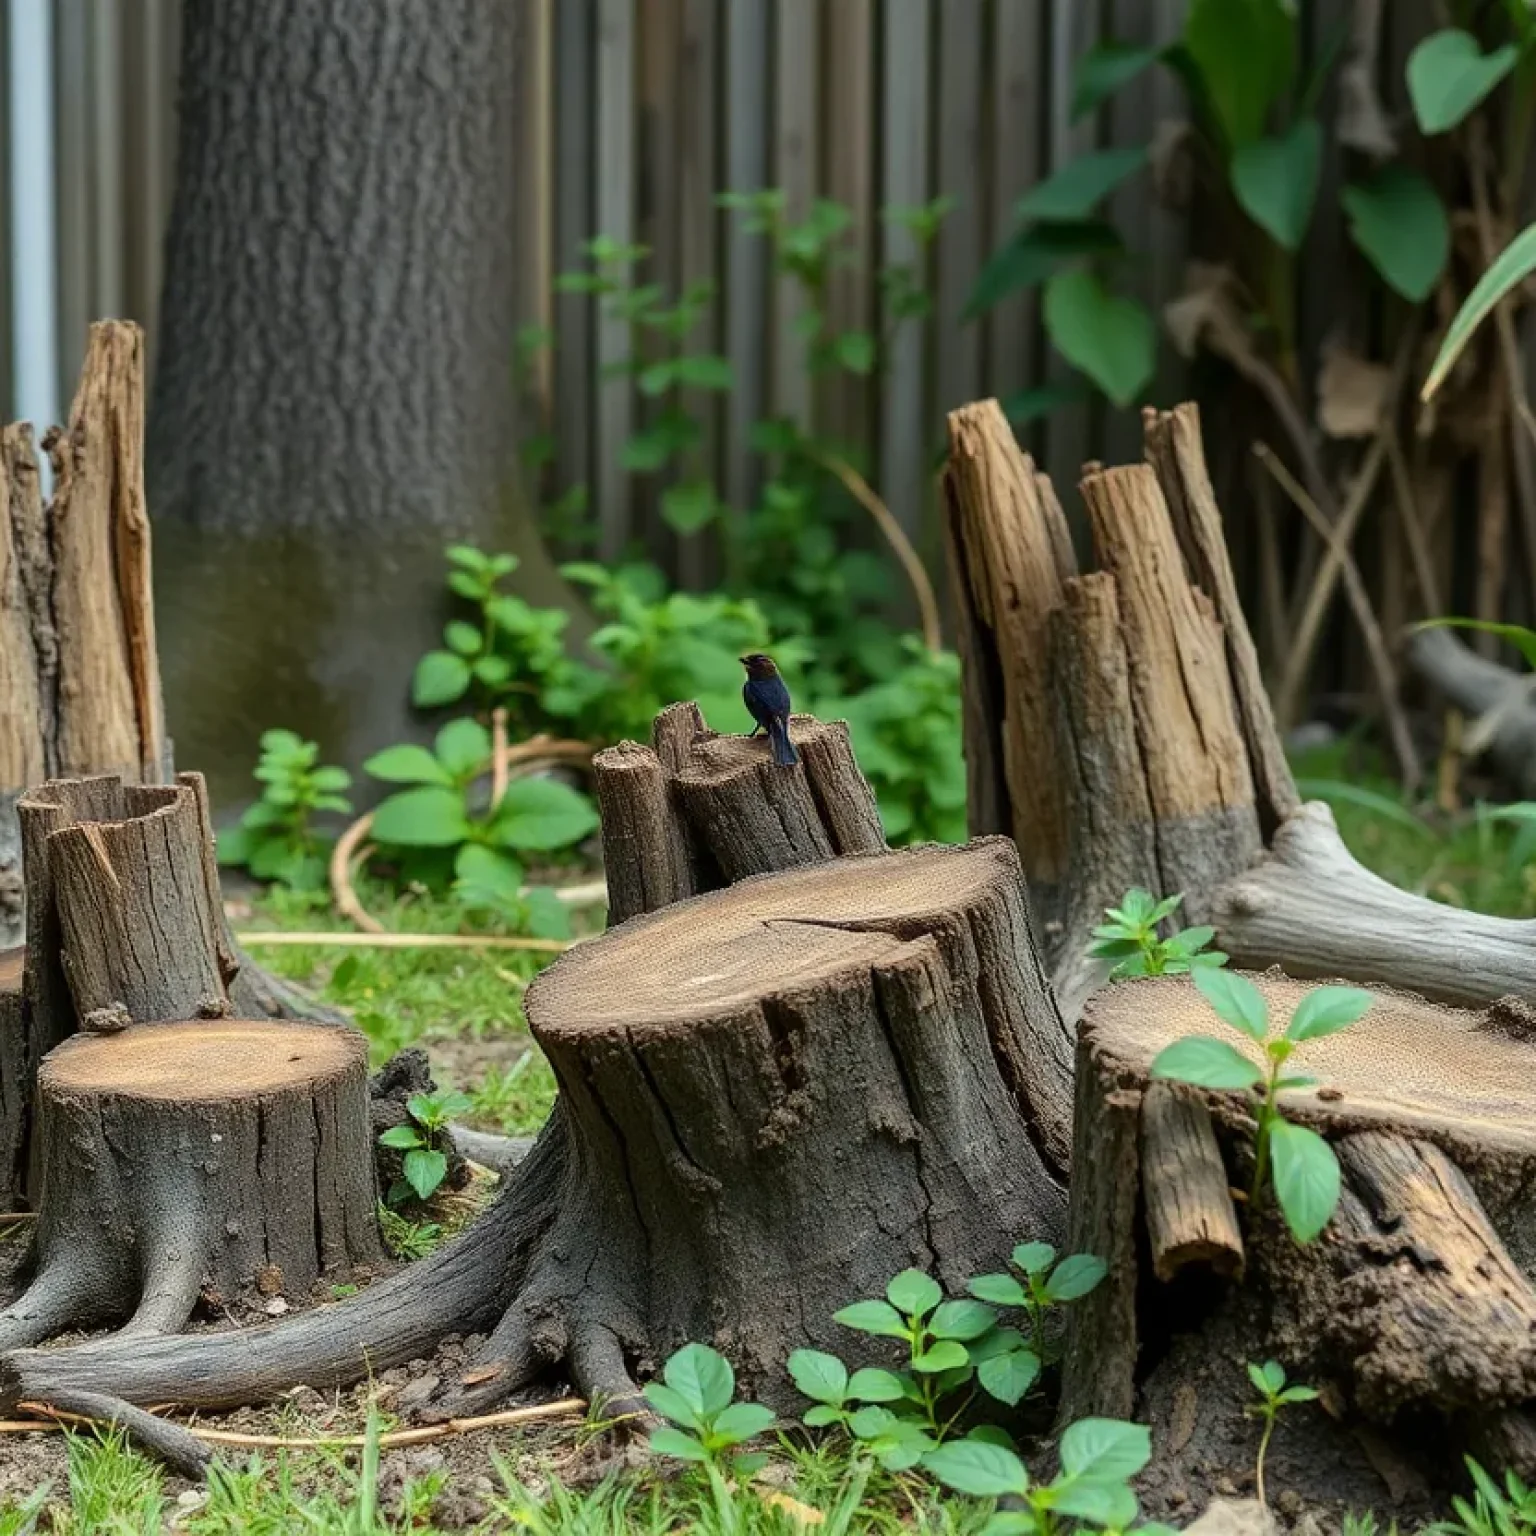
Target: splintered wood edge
<point x="715" y="756"/>
<point x="203" y="1061"/>
<point x="725" y="953"/>
<point x="1460" y="1077"/>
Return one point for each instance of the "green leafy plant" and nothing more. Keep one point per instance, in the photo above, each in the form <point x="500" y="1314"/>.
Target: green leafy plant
<point x="704" y="1424"/>
<point x="406" y="1239"/>
<point x="1046" y="1285"/>
<point x="1269" y="1382"/>
<point x="1305" y="1169"/>
<point x="1099" y="1457"/>
<point x="1493" y="1510"/>
<point x="424" y="1139"/>
<point x="1130" y="938"/>
<point x="277" y="838"/>
<point x="444" y="810"/>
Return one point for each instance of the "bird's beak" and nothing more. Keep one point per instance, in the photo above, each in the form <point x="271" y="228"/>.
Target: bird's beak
<point x="742" y="660"/>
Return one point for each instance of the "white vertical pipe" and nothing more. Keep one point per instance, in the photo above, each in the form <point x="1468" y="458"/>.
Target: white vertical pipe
<point x="34" y="254"/>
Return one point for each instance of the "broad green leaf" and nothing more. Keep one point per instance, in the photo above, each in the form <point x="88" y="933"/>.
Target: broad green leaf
<point x="1398" y="221"/>
<point x="1080" y="186"/>
<point x="821" y="1416"/>
<point x="983" y="1471"/>
<point x="1236" y="1000"/>
<point x="963" y="1320"/>
<point x="913" y="1293"/>
<point x="689" y="507"/>
<point x="1206" y="1063"/>
<point x="705" y="371"/>
<point x="673" y="1442"/>
<point x="1008" y="1376"/>
<point x="423" y="1169"/>
<point x="1100" y="1501"/>
<point x="702" y="1377"/>
<point x="671" y="1404"/>
<point x="1105" y="1448"/>
<point x="872" y="1421"/>
<point x="1137" y="906"/>
<point x="1110" y="338"/>
<point x="429" y="816"/>
<point x="1012" y="1522"/>
<point x="873" y="1317"/>
<point x="821" y="1377"/>
<point x="493" y="671"/>
<point x="872" y="1385"/>
<point x="1326" y="1010"/>
<point x="547" y="916"/>
<point x="490" y="873"/>
<point x="1268" y="1378"/>
<point x="1449" y="74"/>
<point x="463" y="638"/>
<point x="855" y="350"/>
<point x="1034" y="1258"/>
<point x="539" y="814"/>
<point x="741" y="1421"/>
<point x="997" y="1342"/>
<point x="1306" y="1175"/>
<point x="942" y="1355"/>
<point x="1075" y="1276"/>
<point x="1030" y="255"/>
<point x="1104" y="70"/>
<point x="1000" y="1290"/>
<point x="1300" y="1395"/>
<point x="1189" y="940"/>
<point x="1244" y="52"/>
<point x="1275" y="180"/>
<point x="1523" y="639"/>
<point x="404" y="1136"/>
<point x="440" y="678"/>
<point x="463" y="747"/>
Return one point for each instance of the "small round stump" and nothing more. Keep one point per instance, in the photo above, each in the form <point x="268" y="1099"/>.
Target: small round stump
<point x="212" y="1156"/>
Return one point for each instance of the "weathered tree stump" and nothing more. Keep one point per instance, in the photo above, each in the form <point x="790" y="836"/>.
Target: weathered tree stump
<point x="204" y="1158"/>
<point x="1116" y="726"/>
<point x="772" y="1098"/>
<point x="696" y="810"/>
<point x="1415" y="1307"/>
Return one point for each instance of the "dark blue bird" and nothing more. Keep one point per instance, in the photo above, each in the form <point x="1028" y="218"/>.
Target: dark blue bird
<point x="767" y="701"/>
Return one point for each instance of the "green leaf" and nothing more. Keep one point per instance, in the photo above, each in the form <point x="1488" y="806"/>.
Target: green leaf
<point x="1008" y="1376"/>
<point x="1236" y="1000"/>
<point x="547" y="916"/>
<point x="821" y="1416"/>
<point x="821" y="1377"/>
<point x="493" y="671"/>
<point x="404" y="1136"/>
<point x="855" y="350"/>
<point x="1299" y="1395"/>
<point x="1080" y="186"/>
<point x="671" y="1404"/>
<point x="741" y="1421"/>
<point x="1105" y="1448"/>
<point x="1326" y="1010"/>
<point x="1044" y="399"/>
<point x="426" y="817"/>
<point x="540" y="814"/>
<point x="983" y="1471"/>
<point x="872" y="1385"/>
<point x="963" y="1320"/>
<point x="705" y="371"/>
<point x="1206" y="1063"/>
<point x="1075" y="1276"/>
<point x="489" y="873"/>
<point x="1034" y="1258"/>
<point x="1340" y="792"/>
<point x="1399" y="223"/>
<point x="1100" y="1501"/>
<point x="463" y="747"/>
<point x="440" y="678"/>
<point x="1012" y="1522"/>
<point x="646" y="452"/>
<point x="1306" y="1175"/>
<point x="1523" y="639"/>
<point x="1275" y="180"/>
<point x="943" y="1355"/>
<point x="702" y="1377"/>
<point x="690" y="507"/>
<point x="1030" y="255"/>
<point x="1268" y="1378"/>
<point x="913" y="1293"/>
<point x="673" y="1442"/>
<point x="463" y="638"/>
<point x="1244" y="52"/>
<point x="1104" y="70"/>
<point x="1449" y="74"/>
<point x="873" y="1317"/>
<point x="1110" y="338"/>
<point x="423" y="1169"/>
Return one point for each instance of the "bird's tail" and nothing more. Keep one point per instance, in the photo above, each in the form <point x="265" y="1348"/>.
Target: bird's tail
<point x="784" y="753"/>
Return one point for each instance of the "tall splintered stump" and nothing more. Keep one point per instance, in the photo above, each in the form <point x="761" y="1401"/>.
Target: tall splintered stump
<point x="1413" y="1312"/>
<point x="773" y="1098"/>
<point x="193" y="1159"/>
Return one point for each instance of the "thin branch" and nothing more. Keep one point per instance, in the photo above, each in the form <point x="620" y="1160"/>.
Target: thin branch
<point x="1407" y="504"/>
<point x="411" y="941"/>
<point x="1360" y="602"/>
<point x="498" y="756"/>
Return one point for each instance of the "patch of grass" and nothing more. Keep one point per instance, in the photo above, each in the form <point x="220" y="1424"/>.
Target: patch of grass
<point x="515" y="1100"/>
<point x="112" y="1491"/>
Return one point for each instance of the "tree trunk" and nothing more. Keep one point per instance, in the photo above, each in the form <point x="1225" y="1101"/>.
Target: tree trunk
<point x="1414" y="1311"/>
<point x="772" y="1098"/>
<point x="334" y="395"/>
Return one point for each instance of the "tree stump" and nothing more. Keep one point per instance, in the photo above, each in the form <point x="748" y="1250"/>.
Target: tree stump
<point x="202" y="1158"/>
<point x="696" y="810"/>
<point x="772" y="1099"/>
<point x="1414" y="1311"/>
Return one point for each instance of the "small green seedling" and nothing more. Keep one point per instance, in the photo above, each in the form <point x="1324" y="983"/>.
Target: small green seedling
<point x="1099" y="1457"/>
<point x="1495" y="1511"/>
<point x="1306" y="1172"/>
<point x="1131" y="940"/>
<point x="1269" y="1382"/>
<point x="703" y="1423"/>
<point x="424" y="1140"/>
<point x="1046" y="1285"/>
<point x="406" y="1239"/>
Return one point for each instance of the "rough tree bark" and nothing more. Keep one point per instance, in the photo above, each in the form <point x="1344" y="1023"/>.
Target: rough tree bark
<point x="772" y="1098"/>
<point x="334" y="397"/>
<point x="79" y="680"/>
<point x="1414" y="1311"/>
<point x="1116" y="725"/>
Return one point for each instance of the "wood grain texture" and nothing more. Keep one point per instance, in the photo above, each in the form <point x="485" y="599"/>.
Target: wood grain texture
<point x="1189" y="1212"/>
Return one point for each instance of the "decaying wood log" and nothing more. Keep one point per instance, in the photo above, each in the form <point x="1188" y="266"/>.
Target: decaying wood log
<point x="772" y="1098"/>
<point x="1190" y="1218"/>
<point x="79" y="680"/>
<point x="697" y="810"/>
<point x="1157" y="763"/>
